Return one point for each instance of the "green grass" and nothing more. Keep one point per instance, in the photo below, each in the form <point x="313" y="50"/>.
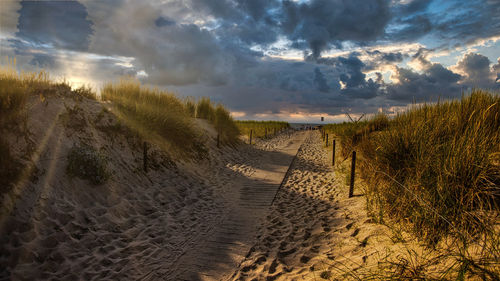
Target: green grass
<point x="259" y="128"/>
<point x="434" y="168"/>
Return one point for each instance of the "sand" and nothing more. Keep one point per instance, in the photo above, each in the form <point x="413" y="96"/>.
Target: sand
<point x="136" y="226"/>
<point x="314" y="231"/>
<point x="238" y="213"/>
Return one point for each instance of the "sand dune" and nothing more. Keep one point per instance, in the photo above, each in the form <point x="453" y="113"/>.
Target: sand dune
<point x="203" y="219"/>
<point x="315" y="232"/>
<point x="136" y="225"/>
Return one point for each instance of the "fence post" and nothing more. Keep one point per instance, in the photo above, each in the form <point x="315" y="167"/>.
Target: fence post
<point x="326" y="140"/>
<point x="333" y="153"/>
<point x="145" y="157"/>
<point x="251" y="131"/>
<point x="218" y="140"/>
<point x="265" y="134"/>
<point x="353" y="171"/>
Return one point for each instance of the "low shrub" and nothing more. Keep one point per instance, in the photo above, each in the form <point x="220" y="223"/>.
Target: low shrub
<point x="87" y="163"/>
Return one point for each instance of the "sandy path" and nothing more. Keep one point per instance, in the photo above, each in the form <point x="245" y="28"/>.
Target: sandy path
<point x="313" y="231"/>
<point x="220" y="252"/>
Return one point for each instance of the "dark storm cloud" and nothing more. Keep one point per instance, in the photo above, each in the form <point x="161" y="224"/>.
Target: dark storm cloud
<point x="63" y="24"/>
<point x="477" y="70"/>
<point x="350" y="71"/>
<point x="162" y="21"/>
<point x="192" y="56"/>
<point x="450" y="22"/>
<point x="377" y="59"/>
<point x="411" y="28"/>
<point x="321" y="23"/>
<point x="224" y="48"/>
<point x="320" y="81"/>
<point x="468" y="22"/>
<point x="247" y="21"/>
<point x="436" y="81"/>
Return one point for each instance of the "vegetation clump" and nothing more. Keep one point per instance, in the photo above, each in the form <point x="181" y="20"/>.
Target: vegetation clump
<point x="436" y="169"/>
<point x="217" y="115"/>
<point x="155" y="110"/>
<point x="85" y="162"/>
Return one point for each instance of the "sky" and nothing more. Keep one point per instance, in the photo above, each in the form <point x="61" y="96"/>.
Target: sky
<point x="293" y="60"/>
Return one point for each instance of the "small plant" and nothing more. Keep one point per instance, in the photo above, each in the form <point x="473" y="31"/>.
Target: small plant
<point x="87" y="163"/>
<point x="74" y="117"/>
<point x="86" y="92"/>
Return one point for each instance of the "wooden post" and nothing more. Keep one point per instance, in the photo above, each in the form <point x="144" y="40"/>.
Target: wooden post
<point x="353" y="171"/>
<point x="265" y="134"/>
<point x="145" y="157"/>
<point x="326" y="140"/>
<point x="218" y="140"/>
<point x="333" y="153"/>
<point x="250" y="142"/>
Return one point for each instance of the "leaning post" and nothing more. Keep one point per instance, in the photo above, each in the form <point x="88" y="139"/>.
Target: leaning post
<point x="251" y="131"/>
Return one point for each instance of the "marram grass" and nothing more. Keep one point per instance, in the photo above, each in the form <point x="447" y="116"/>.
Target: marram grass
<point x="158" y="111"/>
<point x="435" y="166"/>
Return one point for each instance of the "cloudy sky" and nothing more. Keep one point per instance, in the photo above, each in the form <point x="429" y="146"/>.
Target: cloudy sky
<point x="266" y="59"/>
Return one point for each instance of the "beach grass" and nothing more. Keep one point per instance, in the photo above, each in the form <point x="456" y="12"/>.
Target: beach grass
<point x="154" y="111"/>
<point x="435" y="169"/>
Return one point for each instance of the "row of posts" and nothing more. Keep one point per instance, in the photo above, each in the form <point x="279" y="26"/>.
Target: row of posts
<point x="353" y="162"/>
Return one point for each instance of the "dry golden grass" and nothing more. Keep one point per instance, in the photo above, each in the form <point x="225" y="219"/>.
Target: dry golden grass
<point x="259" y="128"/>
<point x="155" y="111"/>
<point x="15" y="90"/>
<point x="436" y="170"/>
<point x="219" y="116"/>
